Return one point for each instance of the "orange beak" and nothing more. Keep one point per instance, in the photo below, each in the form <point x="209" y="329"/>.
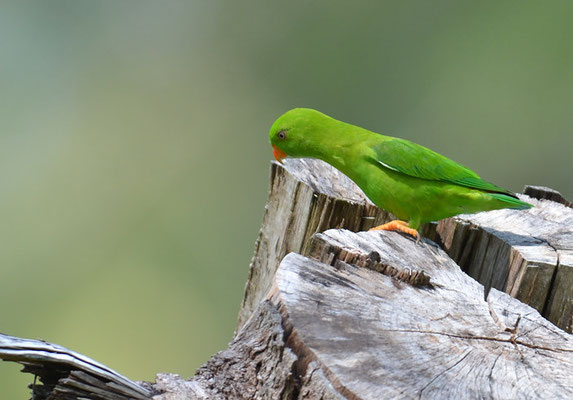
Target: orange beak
<point x="279" y="154"/>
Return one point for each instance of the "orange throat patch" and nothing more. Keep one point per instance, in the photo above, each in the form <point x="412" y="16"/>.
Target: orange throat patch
<point x="279" y="154"/>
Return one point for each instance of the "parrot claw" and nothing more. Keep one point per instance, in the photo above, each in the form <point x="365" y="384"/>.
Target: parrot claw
<point x="400" y="226"/>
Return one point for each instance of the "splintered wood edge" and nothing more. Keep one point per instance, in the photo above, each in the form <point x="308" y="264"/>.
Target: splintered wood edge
<point x="543" y="192"/>
<point x="38" y="356"/>
<point x="323" y="250"/>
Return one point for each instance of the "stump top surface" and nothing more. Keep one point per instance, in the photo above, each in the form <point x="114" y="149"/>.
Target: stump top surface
<point x="443" y="342"/>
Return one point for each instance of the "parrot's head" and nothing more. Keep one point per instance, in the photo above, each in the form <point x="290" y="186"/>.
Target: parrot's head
<point x="298" y="133"/>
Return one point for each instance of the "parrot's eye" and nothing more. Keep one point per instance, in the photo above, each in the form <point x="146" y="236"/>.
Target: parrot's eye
<point x="281" y="135"/>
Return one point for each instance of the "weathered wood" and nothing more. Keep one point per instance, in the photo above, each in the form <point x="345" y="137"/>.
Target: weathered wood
<point x="542" y="192"/>
<point x="260" y="363"/>
<point x="527" y="253"/>
<point x="336" y="327"/>
<point x="376" y="337"/>
<point x="65" y="374"/>
<point x="305" y="196"/>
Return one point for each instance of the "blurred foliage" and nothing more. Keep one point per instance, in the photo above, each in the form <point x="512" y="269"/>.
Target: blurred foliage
<point x="134" y="155"/>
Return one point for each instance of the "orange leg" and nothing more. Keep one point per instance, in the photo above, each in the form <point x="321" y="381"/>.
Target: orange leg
<point x="398" y="225"/>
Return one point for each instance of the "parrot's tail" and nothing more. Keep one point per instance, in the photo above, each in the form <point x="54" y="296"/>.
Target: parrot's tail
<point x="512" y="202"/>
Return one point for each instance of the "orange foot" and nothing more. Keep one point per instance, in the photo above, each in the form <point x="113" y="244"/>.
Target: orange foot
<point x="398" y="225"/>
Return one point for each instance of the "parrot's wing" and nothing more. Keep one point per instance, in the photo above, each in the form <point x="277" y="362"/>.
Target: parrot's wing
<point x="420" y="162"/>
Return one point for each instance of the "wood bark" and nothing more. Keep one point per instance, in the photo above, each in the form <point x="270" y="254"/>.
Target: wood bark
<point x="329" y="313"/>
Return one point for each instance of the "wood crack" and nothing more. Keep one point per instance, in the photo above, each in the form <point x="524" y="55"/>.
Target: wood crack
<point x="488" y="338"/>
<point x="443" y="372"/>
<point x="553" y="276"/>
<point x="490" y="375"/>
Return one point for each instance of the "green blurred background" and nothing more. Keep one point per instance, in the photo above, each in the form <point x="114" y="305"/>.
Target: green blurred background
<point x="134" y="156"/>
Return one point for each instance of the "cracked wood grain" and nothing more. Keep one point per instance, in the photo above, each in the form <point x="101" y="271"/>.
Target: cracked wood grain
<point x="375" y="339"/>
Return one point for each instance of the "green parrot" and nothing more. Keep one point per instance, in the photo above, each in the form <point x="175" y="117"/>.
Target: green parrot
<point x="414" y="183"/>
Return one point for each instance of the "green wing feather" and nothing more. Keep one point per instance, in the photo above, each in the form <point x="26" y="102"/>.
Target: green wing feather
<point x="420" y="162"/>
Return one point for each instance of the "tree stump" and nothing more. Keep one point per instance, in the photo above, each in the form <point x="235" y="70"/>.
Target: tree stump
<point x="332" y="313"/>
<point x="526" y="253"/>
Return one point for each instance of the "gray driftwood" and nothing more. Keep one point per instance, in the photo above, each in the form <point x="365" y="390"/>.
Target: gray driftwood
<point x="333" y="314"/>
